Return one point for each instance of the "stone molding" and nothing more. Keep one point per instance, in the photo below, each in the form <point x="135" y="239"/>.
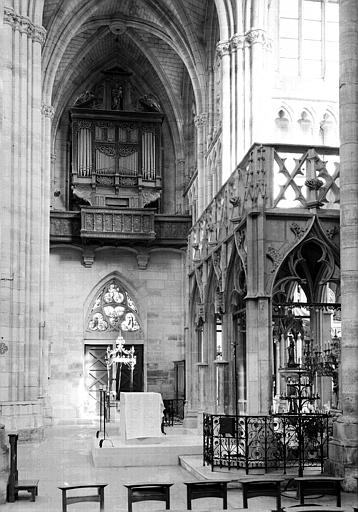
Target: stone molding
<point x="24" y="25"/>
<point x="47" y="111"/>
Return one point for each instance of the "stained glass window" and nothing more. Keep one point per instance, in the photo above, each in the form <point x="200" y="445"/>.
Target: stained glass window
<point x="113" y="309"/>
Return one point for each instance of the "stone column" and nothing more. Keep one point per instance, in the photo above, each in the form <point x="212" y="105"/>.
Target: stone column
<point x="259" y="52"/>
<point x="258" y="319"/>
<point x="21" y="221"/>
<point x="222" y="388"/>
<point x="237" y="46"/>
<point x="344" y="447"/>
<point x="223" y="50"/>
<point x="47" y="112"/>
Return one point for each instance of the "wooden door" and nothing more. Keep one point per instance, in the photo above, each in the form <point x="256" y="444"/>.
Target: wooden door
<point x="123" y="376"/>
<point x="95" y="369"/>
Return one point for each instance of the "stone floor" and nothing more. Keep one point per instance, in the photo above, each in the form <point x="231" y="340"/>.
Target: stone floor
<point x="65" y="457"/>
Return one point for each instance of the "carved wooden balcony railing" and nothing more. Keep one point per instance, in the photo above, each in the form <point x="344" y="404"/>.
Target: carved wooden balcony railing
<point x="124" y="224"/>
<point x="271" y="177"/>
<point x="137" y="224"/>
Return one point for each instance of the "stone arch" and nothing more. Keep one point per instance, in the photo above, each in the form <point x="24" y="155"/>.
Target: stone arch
<point x="283" y="122"/>
<point x="328" y="128"/>
<point x="112" y="309"/>
<point x="112" y="318"/>
<point x="306" y="308"/>
<point x="236" y="290"/>
<point x="314" y="235"/>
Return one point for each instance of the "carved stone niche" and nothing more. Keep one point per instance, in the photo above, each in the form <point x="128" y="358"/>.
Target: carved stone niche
<point x="200" y="313"/>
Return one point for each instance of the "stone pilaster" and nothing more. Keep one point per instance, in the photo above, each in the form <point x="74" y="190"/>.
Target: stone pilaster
<point x="344" y="446"/>
<point x="21" y="260"/>
<point x="200" y="123"/>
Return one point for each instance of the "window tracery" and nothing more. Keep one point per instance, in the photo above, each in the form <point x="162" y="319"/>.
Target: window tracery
<point x="113" y="309"/>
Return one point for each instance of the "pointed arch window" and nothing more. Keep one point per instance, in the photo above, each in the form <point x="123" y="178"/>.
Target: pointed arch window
<point x="113" y="309"/>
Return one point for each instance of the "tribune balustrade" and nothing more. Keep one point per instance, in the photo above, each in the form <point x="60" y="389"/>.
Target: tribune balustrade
<point x="270" y="177"/>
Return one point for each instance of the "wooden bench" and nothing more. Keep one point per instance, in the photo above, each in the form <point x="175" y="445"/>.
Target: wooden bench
<point x="30" y="486"/>
<point x="314" y="508"/>
<point x="206" y="489"/>
<point x="311" y="485"/>
<point x="253" y="487"/>
<point x="68" y="500"/>
<point x="148" y="491"/>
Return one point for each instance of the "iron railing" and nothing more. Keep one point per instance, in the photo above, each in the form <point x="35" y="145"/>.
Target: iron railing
<point x="268" y="442"/>
<point x="173" y="411"/>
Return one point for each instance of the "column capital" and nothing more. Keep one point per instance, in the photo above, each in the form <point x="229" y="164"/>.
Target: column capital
<point x="223" y="48"/>
<point x="24" y="25"/>
<point x="258" y="35"/>
<point x="237" y="42"/>
<point x="201" y="119"/>
<point x="47" y="111"/>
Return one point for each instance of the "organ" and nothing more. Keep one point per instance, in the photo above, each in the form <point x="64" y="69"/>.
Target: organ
<point x="116" y="146"/>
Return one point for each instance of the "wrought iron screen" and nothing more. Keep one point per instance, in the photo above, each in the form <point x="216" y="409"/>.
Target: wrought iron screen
<point x="269" y="442"/>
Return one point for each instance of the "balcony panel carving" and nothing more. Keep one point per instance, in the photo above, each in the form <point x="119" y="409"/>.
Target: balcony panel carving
<point x="134" y="224"/>
<point x="172" y="227"/>
<point x="131" y="224"/>
<point x="64" y="226"/>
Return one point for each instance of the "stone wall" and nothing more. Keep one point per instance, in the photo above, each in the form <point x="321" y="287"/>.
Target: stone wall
<point x="23" y="417"/>
<point x="158" y="293"/>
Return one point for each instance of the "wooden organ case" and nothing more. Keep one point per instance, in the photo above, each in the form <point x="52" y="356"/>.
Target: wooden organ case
<point x="116" y="146"/>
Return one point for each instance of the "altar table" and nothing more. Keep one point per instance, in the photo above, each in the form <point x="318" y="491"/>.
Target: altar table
<point x="140" y="415"/>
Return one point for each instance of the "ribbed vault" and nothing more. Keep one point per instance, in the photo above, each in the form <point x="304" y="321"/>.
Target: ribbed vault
<point x="163" y="43"/>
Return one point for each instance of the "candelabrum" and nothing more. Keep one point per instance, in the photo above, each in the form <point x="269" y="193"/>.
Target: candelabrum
<point x="323" y="361"/>
<point x="299" y="377"/>
<point x="299" y="391"/>
<point x="119" y="356"/>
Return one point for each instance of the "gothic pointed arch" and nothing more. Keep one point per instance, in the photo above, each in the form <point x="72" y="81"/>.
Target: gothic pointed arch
<point x="113" y="309"/>
<point x="312" y="263"/>
<point x="306" y="310"/>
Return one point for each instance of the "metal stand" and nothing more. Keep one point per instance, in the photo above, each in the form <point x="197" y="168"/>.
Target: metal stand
<point x="101" y="412"/>
<point x="105" y="407"/>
